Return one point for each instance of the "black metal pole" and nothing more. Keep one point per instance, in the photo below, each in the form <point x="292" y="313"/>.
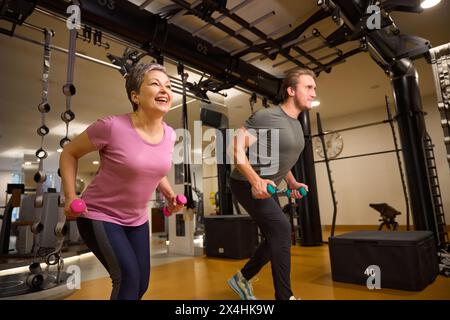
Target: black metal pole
<point x="330" y="180"/>
<point x="399" y="162"/>
<point x="412" y="129"/>
<point x="308" y="207"/>
<point x="360" y="155"/>
<point x="353" y="128"/>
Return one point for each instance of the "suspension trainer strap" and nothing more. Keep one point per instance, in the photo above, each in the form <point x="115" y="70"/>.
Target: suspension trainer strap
<point x="40" y="177"/>
<point x="186" y="150"/>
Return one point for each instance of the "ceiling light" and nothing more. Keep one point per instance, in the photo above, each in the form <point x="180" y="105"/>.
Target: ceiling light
<point x="27" y="163"/>
<point x="429" y="3"/>
<point x="59" y="150"/>
<point x="315" y="104"/>
<point x="95" y="162"/>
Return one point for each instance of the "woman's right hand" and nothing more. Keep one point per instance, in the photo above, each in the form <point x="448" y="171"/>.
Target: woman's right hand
<point x="67" y="210"/>
<point x="259" y="188"/>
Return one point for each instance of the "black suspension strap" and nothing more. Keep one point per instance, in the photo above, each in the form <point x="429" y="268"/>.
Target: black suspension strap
<point x="36" y="277"/>
<point x="40" y="176"/>
<point x="54" y="258"/>
<point x="187" y="152"/>
<point x="252" y="101"/>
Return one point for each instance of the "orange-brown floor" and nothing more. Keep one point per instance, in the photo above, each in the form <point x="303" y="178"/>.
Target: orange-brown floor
<point x="203" y="278"/>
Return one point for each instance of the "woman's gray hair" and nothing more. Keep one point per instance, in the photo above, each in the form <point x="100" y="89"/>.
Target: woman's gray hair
<point x="137" y="75"/>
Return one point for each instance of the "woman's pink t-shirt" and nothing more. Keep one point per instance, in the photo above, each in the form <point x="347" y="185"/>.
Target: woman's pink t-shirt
<point x="130" y="170"/>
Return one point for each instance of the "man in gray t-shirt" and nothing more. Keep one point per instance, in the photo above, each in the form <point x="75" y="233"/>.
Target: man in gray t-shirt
<point x="279" y="144"/>
<point x="264" y="151"/>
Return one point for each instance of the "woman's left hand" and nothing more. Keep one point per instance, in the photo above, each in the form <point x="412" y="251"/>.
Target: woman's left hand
<point x="172" y="204"/>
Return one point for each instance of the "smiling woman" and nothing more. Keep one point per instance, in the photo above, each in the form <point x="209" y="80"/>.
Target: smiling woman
<point x="136" y="154"/>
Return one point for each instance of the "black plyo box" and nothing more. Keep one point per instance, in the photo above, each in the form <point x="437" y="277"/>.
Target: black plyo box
<point x="407" y="259"/>
<point x="230" y="236"/>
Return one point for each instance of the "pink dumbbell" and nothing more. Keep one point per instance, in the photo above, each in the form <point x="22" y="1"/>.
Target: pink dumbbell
<point x="78" y="206"/>
<point x="181" y="199"/>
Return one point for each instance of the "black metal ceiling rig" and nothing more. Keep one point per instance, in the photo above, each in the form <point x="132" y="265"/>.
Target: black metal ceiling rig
<point x="15" y="13"/>
<point x="269" y="43"/>
<point x="137" y="27"/>
<point x="159" y="36"/>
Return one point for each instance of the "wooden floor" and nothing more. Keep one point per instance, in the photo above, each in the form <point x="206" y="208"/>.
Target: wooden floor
<point x="203" y="278"/>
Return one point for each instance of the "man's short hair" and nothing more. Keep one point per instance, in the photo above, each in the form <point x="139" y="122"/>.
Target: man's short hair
<point x="291" y="80"/>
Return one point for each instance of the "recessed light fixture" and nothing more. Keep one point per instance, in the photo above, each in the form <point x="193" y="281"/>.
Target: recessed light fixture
<point x="95" y="162"/>
<point x="429" y="3"/>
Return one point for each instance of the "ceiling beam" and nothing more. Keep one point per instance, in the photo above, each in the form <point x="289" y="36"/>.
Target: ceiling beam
<point x="153" y="34"/>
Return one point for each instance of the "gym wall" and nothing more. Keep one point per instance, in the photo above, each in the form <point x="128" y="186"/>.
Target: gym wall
<point x="364" y="180"/>
<point x="374" y="179"/>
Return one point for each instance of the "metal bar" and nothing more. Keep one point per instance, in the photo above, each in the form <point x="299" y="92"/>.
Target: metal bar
<point x="180" y="45"/>
<point x="239" y="6"/>
<point x="219" y="25"/>
<point x="261" y="19"/>
<point x="360" y="155"/>
<point x="324" y="57"/>
<point x="270" y="35"/>
<point x="180" y="105"/>
<point x="324" y="40"/>
<point x="295" y="42"/>
<point x="182" y="12"/>
<point x="261" y="41"/>
<point x="245" y="24"/>
<point x="176" y="16"/>
<point x="309" y="63"/>
<point x="338" y="60"/>
<point x="145" y="4"/>
<point x="211" y="177"/>
<point x="259" y="56"/>
<point x="121" y="42"/>
<point x="32" y="26"/>
<point x="88" y="58"/>
<point x="223" y="39"/>
<point x="82" y="56"/>
<point x="239" y="31"/>
<point x="285" y="61"/>
<point x="352" y="128"/>
<point x="130" y="45"/>
<point x="221" y="17"/>
<point x="317" y="48"/>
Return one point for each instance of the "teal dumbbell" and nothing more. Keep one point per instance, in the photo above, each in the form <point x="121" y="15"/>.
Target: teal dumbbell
<point x="287" y="192"/>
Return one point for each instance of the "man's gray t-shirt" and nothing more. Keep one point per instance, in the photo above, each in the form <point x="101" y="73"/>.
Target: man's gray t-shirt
<point x="275" y="152"/>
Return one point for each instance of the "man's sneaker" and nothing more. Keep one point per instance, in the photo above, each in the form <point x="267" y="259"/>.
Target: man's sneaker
<point x="241" y="286"/>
